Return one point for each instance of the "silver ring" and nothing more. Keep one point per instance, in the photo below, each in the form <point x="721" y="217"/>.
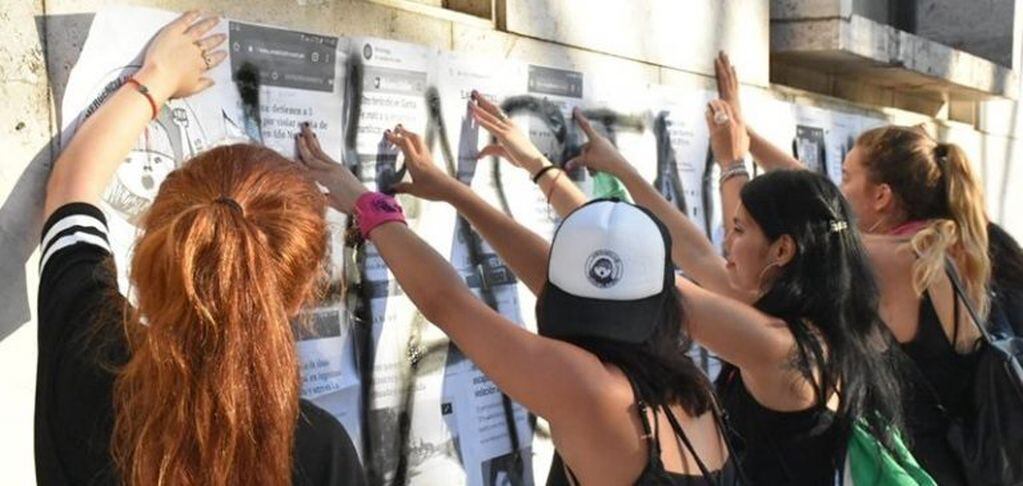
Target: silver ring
<point x="720" y="118"/>
<point x="206" y="59"/>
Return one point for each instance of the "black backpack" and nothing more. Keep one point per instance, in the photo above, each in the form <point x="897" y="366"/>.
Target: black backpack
<point x="988" y="438"/>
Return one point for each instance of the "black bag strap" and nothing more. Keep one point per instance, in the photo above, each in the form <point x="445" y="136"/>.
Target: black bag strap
<point x="957" y="285"/>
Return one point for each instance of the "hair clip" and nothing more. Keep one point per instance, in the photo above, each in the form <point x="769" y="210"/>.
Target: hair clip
<point x="837" y="226"/>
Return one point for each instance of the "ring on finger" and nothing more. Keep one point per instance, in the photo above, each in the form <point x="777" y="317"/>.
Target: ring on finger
<point x="720" y="118"/>
<point x="206" y="59"/>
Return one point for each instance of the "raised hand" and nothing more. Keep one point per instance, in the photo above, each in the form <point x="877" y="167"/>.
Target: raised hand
<point x="728" y="84"/>
<point x="428" y="181"/>
<point x="598" y="153"/>
<point x="729" y="140"/>
<point x="343" y="188"/>
<point x="512" y="143"/>
<point x="178" y="57"/>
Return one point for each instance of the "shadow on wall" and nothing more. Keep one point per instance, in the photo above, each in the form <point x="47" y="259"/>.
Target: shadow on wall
<point x="62" y="37"/>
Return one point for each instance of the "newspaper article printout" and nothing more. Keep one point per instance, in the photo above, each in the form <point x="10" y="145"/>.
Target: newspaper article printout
<point x="810" y="143"/>
<point x="478" y="405"/>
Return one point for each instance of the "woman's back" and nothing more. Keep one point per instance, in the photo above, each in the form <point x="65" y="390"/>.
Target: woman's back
<point x="656" y="445"/>
<point x="780" y="447"/>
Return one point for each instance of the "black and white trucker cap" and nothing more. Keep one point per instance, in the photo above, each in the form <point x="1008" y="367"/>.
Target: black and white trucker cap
<point x="609" y="274"/>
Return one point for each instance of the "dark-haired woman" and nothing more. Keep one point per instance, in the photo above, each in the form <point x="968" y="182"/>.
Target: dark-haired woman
<point x="807" y="355"/>
<point x="1006" y="281"/>
<point x="607" y="369"/>
<point x="198" y="384"/>
<point x="920" y="203"/>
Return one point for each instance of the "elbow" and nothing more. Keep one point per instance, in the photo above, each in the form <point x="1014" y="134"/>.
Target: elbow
<point x="441" y="302"/>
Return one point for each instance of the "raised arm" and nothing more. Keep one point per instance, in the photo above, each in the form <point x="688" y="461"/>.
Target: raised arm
<point x="729" y="145"/>
<point x="513" y="145"/>
<point x="764" y="153"/>
<point x="690" y="249"/>
<point x="525" y="252"/>
<point x="553" y="379"/>
<point x="174" y="65"/>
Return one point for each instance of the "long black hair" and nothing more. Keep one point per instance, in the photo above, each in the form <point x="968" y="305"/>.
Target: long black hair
<point x="1006" y="279"/>
<point x="828" y="298"/>
<point x="659" y="367"/>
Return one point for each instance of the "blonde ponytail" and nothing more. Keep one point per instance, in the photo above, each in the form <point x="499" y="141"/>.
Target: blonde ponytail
<point x="934" y="182"/>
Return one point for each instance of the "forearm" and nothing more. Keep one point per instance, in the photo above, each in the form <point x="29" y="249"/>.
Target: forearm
<point x="547" y="376"/>
<point x="769" y="156"/>
<point x="730" y="190"/>
<point x="690" y="249"/>
<point x="732" y="329"/>
<point x="525" y="252"/>
<point x="562" y="194"/>
<point x="98" y="147"/>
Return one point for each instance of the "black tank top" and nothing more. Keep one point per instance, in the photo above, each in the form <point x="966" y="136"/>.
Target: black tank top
<point x="804" y="447"/>
<point x="654" y="474"/>
<point x="937" y="388"/>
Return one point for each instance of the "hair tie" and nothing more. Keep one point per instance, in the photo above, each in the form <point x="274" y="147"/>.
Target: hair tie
<point x="230" y="203"/>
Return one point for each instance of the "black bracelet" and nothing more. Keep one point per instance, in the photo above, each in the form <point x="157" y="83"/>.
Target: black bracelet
<point x="543" y="171"/>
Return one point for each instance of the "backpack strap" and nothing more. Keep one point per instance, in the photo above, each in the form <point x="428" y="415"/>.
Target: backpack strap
<point x="957" y="285"/>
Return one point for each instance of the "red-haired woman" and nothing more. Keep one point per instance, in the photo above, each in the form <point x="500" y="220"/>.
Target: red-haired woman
<point x="198" y="384"/>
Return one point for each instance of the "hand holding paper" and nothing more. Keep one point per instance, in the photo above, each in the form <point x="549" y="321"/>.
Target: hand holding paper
<point x="174" y="66"/>
<point x="178" y="57"/>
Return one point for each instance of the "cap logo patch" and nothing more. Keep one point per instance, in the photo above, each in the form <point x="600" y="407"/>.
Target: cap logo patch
<point x="603" y="268"/>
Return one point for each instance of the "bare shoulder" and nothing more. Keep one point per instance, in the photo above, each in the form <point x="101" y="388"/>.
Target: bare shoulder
<point x="890" y="255"/>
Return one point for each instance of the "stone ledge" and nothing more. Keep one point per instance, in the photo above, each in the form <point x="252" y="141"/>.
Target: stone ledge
<point x="888" y="58"/>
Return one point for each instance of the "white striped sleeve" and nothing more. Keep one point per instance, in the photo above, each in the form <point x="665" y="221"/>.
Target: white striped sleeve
<point x="72" y="227"/>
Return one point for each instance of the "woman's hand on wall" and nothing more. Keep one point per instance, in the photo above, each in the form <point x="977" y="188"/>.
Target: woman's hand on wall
<point x="343" y="188"/>
<point x="428" y="181"/>
<point x="728" y="138"/>
<point x="178" y="57"/>
<point x="512" y="143"/>
<point x="598" y="153"/>
<point x="728" y="84"/>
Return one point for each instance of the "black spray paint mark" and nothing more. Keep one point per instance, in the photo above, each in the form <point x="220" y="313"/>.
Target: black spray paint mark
<point x="247" y="80"/>
<point x="487" y="266"/>
<point x="667" y="182"/>
<point x="708" y="194"/>
<point x="491" y="270"/>
<point x="361" y="291"/>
